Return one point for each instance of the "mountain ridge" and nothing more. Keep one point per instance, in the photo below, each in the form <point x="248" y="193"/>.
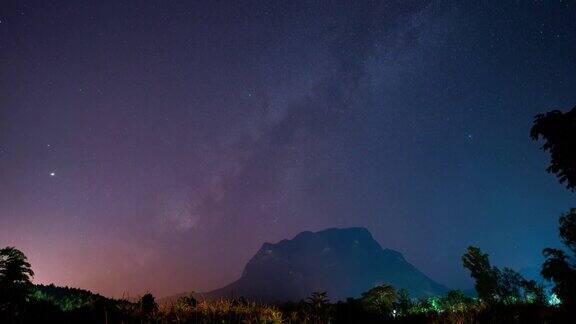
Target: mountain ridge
<point x="342" y="261"/>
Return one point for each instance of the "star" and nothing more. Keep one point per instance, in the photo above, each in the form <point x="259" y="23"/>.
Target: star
<point x="52" y="174"/>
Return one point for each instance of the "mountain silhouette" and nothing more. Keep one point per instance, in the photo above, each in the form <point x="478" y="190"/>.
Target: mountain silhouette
<point x="344" y="262"/>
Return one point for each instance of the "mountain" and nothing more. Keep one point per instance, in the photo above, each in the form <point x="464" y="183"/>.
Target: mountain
<point x="344" y="262"/>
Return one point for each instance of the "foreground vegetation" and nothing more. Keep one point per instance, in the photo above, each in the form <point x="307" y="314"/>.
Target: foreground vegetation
<point x="504" y="296"/>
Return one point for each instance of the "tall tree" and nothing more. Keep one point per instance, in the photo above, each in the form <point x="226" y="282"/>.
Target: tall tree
<point x="403" y="301"/>
<point x="148" y="306"/>
<point x="559" y="267"/>
<point x="486" y="277"/>
<point x="558" y="130"/>
<point x="15" y="284"/>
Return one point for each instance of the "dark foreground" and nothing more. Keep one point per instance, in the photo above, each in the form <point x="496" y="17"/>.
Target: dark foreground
<point x="50" y="304"/>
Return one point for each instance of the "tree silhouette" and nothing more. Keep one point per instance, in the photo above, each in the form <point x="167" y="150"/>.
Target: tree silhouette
<point x="534" y="292"/>
<point x="455" y="300"/>
<point x="15" y="284"/>
<point x="558" y="266"/>
<point x="148" y="306"/>
<point x="558" y="130"/>
<point x="318" y="305"/>
<point x="380" y="299"/>
<point x="318" y="299"/>
<point x="485" y="276"/>
<point x="403" y="303"/>
<point x="510" y="286"/>
<point x="499" y="286"/>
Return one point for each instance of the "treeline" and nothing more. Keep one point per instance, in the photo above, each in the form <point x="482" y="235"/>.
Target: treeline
<point x="505" y="297"/>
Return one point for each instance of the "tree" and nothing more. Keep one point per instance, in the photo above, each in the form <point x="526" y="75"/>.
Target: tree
<point x="403" y="303"/>
<point x="559" y="133"/>
<point x="568" y="230"/>
<point x="187" y="301"/>
<point x="15" y="270"/>
<point x="485" y="276"/>
<point x="318" y="300"/>
<point x="510" y="286"/>
<point x="15" y="284"/>
<point x="558" y="267"/>
<point x="148" y="306"/>
<point x="425" y="305"/>
<point x="318" y="306"/>
<point x="455" y="300"/>
<point x="380" y="299"/>
<point x="500" y="286"/>
<point x="534" y="292"/>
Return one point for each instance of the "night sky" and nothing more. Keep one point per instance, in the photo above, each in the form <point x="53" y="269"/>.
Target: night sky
<point x="155" y="145"/>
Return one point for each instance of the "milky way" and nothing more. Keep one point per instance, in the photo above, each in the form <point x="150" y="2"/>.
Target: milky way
<point x="156" y="145"/>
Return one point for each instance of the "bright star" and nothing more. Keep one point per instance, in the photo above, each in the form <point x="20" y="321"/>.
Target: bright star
<point x="52" y="174"/>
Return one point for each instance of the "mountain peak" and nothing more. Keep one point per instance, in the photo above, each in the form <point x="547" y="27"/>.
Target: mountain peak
<point x="342" y="261"/>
